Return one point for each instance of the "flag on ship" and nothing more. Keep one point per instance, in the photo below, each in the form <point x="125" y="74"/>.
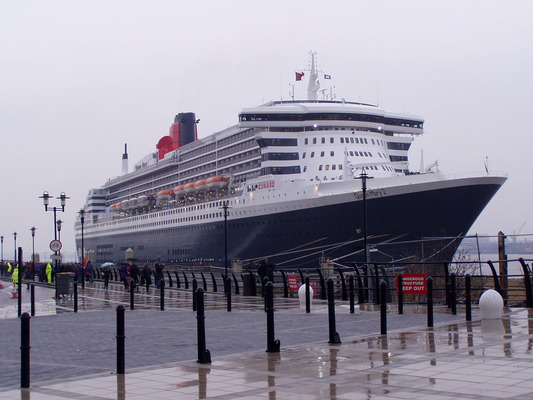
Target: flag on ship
<point x="299" y="76"/>
<point x="327" y="76"/>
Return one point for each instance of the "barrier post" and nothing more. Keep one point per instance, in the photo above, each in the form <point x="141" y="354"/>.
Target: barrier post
<point x="132" y="295"/>
<point x="383" y="306"/>
<point x="273" y="345"/>
<point x="236" y="282"/>
<point x="344" y="293"/>
<point x="214" y="282"/>
<point x="430" y="301"/>
<point x="334" y="337"/>
<point x="162" y="295"/>
<point x="352" y="294"/>
<point x="204" y="282"/>
<point x="25" y="351"/>
<point x="285" y="284"/>
<point x="194" y="290"/>
<point x="204" y="356"/>
<point x="323" y="295"/>
<point x="32" y="300"/>
<point x="120" y="340"/>
<point x="75" y="297"/>
<point x="307" y="296"/>
<point x="453" y="293"/>
<point x="400" y="294"/>
<point x="468" y="297"/>
<point x="228" y="293"/>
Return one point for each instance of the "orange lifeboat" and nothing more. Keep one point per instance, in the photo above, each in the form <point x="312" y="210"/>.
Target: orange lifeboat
<point x="189" y="187"/>
<point x="217" y="182"/>
<point x="163" y="196"/>
<point x="178" y="190"/>
<point x="201" y="184"/>
<point x="113" y="207"/>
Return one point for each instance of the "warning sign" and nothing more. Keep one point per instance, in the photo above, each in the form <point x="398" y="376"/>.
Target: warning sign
<point x="413" y="283"/>
<point x="293" y="283"/>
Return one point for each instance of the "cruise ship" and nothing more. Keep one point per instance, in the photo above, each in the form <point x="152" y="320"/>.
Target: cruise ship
<point x="294" y="181"/>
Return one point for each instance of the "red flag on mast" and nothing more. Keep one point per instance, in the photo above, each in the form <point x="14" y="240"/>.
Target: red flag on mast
<point x="299" y="76"/>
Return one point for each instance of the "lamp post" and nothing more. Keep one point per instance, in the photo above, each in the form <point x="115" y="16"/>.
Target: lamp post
<point x="63" y="201"/>
<point x="15" y="256"/>
<point x="2" y="244"/>
<point x="225" y="208"/>
<point x="33" y="229"/>
<point x="364" y="176"/>
<point x="82" y="220"/>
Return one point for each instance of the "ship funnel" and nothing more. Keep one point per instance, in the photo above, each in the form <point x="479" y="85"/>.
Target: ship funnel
<point x="183" y="131"/>
<point x="125" y="160"/>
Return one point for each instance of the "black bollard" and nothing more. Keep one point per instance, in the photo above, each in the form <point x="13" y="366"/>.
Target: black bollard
<point x="323" y="294"/>
<point x="383" y="306"/>
<point x="468" y="297"/>
<point x="263" y="292"/>
<point x="194" y="290"/>
<point x="430" y="302"/>
<point x="453" y="294"/>
<point x="273" y="345"/>
<point x="32" y="300"/>
<point x="228" y="293"/>
<point x="253" y="288"/>
<point x="75" y="297"/>
<point x="204" y="356"/>
<point x="351" y="286"/>
<point x="82" y="277"/>
<point x="132" y="295"/>
<point x="121" y="339"/>
<point x="307" y="296"/>
<point x="162" y="295"/>
<point x="19" y="290"/>
<point x="25" y="351"/>
<point x="169" y="279"/>
<point x="400" y="294"/>
<point x="334" y="337"/>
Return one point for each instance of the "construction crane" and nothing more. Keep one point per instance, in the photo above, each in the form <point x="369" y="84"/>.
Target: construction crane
<point x="515" y="234"/>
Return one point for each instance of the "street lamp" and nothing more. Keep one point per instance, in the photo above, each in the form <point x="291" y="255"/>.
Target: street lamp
<point x="63" y="201"/>
<point x="33" y="229"/>
<point x="225" y="208"/>
<point x="82" y="220"/>
<point x="15" y="239"/>
<point x="364" y="176"/>
<point x="2" y="243"/>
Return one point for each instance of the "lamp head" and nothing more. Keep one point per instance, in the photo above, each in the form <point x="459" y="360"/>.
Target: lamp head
<point x="46" y="199"/>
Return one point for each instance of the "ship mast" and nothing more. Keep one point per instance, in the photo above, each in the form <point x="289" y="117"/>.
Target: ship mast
<point x="314" y="85"/>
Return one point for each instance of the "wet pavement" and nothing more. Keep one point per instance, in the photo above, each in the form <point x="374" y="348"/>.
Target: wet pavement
<point x="73" y="354"/>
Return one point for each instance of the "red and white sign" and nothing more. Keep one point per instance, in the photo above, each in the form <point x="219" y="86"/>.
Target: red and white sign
<point x="413" y="284"/>
<point x="293" y="283"/>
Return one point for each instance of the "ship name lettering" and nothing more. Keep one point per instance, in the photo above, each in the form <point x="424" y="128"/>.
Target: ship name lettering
<point x="371" y="193"/>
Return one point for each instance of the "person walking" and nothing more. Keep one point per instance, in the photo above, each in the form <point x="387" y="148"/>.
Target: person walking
<point x="49" y="270"/>
<point x="106" y="272"/>
<point x="15" y="277"/>
<point x="158" y="274"/>
<point x="147" y="272"/>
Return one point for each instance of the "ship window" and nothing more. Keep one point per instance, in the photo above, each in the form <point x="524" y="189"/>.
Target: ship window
<point x="340" y="166"/>
<point x="332" y="140"/>
<point x="351" y="153"/>
<point x="372" y="141"/>
<point x="347" y="140"/>
<point x="306" y="141"/>
<point x="342" y="140"/>
<point x="305" y="168"/>
<point x="370" y="154"/>
<point x="366" y="141"/>
<point x="321" y="154"/>
<point x="332" y="153"/>
<point x="333" y="167"/>
<point x="323" y="140"/>
<point x="320" y="167"/>
<point x="327" y="167"/>
<point x="303" y="155"/>
<point x="366" y="154"/>
<point x="314" y="140"/>
<point x="351" y="140"/>
<point x="312" y="154"/>
<point x="356" y="140"/>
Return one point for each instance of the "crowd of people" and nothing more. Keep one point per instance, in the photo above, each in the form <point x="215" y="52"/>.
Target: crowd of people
<point x="46" y="272"/>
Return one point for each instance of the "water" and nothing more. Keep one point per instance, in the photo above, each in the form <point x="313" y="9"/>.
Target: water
<point x="514" y="267"/>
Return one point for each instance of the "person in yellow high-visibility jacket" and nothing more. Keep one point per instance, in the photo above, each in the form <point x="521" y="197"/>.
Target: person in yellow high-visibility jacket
<point x="15" y="276"/>
<point x="49" y="272"/>
<point x="9" y="268"/>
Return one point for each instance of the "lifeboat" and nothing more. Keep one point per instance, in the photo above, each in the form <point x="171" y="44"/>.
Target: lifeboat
<point x="163" y="196"/>
<point x="217" y="182"/>
<point x="119" y="205"/>
<point x="201" y="184"/>
<point x="189" y="187"/>
<point x="113" y="207"/>
<point x="178" y="190"/>
<point x="126" y="204"/>
<point x="142" y="201"/>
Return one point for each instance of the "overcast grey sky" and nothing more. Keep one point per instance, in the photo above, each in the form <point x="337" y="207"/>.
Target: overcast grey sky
<point x="78" y="79"/>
